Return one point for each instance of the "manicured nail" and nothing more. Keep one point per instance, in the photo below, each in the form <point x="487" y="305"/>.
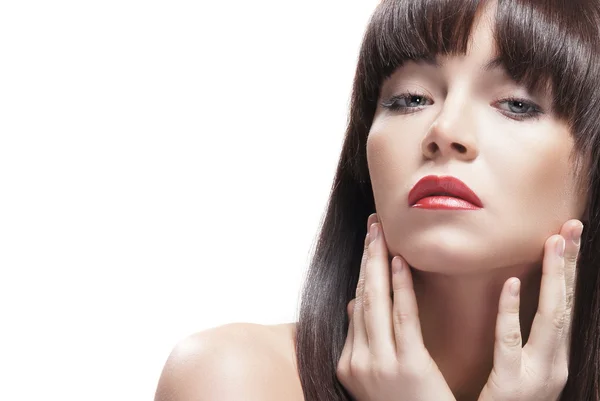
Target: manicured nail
<point x="560" y="247"/>
<point x="514" y="287"/>
<point x="373" y="231"/>
<point x="577" y="235"/>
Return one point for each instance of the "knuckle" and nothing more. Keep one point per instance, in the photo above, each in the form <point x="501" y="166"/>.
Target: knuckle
<point x="562" y="376"/>
<point x="372" y="250"/>
<point x="399" y="285"/>
<point x="512" y="338"/>
<point x="385" y="371"/>
<point x="558" y="318"/>
<point x="512" y="312"/>
<point x="367" y="300"/>
<point x="342" y="371"/>
<point x="357" y="368"/>
<point x="400" y="317"/>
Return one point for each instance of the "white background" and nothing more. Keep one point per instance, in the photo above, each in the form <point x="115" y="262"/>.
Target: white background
<point x="164" y="167"/>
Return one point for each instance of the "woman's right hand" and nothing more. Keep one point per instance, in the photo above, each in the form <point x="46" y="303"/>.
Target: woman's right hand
<point x="384" y="357"/>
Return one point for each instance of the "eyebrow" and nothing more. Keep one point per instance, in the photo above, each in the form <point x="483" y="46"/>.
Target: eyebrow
<point x="489" y="66"/>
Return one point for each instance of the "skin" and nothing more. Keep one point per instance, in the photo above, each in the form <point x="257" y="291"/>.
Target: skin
<point x="458" y="264"/>
<point x="385" y="358"/>
<point x="238" y="361"/>
<point x="519" y="167"/>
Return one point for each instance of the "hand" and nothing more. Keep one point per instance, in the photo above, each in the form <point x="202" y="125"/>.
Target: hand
<point x="539" y="370"/>
<point x="384" y="357"/>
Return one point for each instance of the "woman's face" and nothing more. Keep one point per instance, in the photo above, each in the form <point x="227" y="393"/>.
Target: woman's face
<point x="456" y="121"/>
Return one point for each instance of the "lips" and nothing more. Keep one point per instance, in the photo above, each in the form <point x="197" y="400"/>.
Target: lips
<point x="432" y="185"/>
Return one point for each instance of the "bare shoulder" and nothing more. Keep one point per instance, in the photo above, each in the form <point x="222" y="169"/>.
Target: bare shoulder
<point x="232" y="362"/>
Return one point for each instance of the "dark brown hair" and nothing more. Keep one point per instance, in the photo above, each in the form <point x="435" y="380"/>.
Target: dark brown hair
<point x="540" y="42"/>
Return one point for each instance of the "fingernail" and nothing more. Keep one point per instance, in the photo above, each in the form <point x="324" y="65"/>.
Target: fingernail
<point x="514" y="287"/>
<point x="396" y="265"/>
<point x="376" y="218"/>
<point x="560" y="247"/>
<point x="372" y="219"/>
<point x="373" y="232"/>
<point x="577" y="235"/>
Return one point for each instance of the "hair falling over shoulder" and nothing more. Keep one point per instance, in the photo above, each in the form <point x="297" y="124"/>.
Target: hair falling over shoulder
<point x="551" y="42"/>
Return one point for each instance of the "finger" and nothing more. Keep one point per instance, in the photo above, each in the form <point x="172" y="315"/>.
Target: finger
<point x="405" y="312"/>
<point x="346" y="355"/>
<point x="572" y="233"/>
<point x="360" y="341"/>
<point x="508" y="343"/>
<point x="549" y="322"/>
<point x="377" y="303"/>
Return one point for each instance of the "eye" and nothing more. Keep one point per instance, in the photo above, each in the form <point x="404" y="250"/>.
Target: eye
<point x="519" y="109"/>
<point x="406" y="101"/>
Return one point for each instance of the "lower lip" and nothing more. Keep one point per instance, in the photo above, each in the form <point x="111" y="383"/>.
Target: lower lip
<point x="444" y="202"/>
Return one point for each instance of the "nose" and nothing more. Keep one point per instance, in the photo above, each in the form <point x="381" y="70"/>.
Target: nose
<point x="451" y="136"/>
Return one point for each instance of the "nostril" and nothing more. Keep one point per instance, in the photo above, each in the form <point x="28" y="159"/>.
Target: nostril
<point x="459" y="147"/>
<point x="433" y="147"/>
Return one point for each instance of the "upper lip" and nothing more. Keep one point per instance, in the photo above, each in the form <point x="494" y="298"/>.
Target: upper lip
<point x="442" y="185"/>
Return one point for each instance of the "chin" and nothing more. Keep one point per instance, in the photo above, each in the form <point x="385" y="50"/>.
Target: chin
<point x="450" y="253"/>
<point x="459" y="254"/>
<point x="452" y="263"/>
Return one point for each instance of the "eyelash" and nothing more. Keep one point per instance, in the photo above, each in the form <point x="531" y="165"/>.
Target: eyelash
<point x="534" y="111"/>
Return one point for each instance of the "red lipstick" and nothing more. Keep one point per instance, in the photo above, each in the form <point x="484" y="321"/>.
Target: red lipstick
<point x="443" y="192"/>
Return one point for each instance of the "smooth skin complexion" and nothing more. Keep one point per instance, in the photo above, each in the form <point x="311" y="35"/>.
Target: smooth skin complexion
<point x="465" y="118"/>
<point x="385" y="357"/>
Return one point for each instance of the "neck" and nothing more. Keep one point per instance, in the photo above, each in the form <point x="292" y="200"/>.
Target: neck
<point x="458" y="319"/>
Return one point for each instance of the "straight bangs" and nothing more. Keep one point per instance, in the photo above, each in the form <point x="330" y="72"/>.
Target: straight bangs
<point x="555" y="43"/>
<point x="548" y="46"/>
<point x="545" y="45"/>
<point x="414" y="30"/>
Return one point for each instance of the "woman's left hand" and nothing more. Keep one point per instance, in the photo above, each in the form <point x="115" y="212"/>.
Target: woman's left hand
<point x="539" y="370"/>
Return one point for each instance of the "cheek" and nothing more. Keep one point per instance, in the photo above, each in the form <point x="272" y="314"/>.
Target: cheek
<point x="387" y="171"/>
<point x="542" y="184"/>
<point x="391" y="158"/>
<point x="530" y="191"/>
<point x="376" y="156"/>
<point x="536" y="196"/>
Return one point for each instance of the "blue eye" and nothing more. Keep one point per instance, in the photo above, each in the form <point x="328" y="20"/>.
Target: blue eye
<point x="406" y="101"/>
<point x="513" y="108"/>
<point x="519" y="109"/>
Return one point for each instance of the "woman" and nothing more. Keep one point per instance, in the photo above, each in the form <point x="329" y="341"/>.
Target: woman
<point x="472" y="156"/>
